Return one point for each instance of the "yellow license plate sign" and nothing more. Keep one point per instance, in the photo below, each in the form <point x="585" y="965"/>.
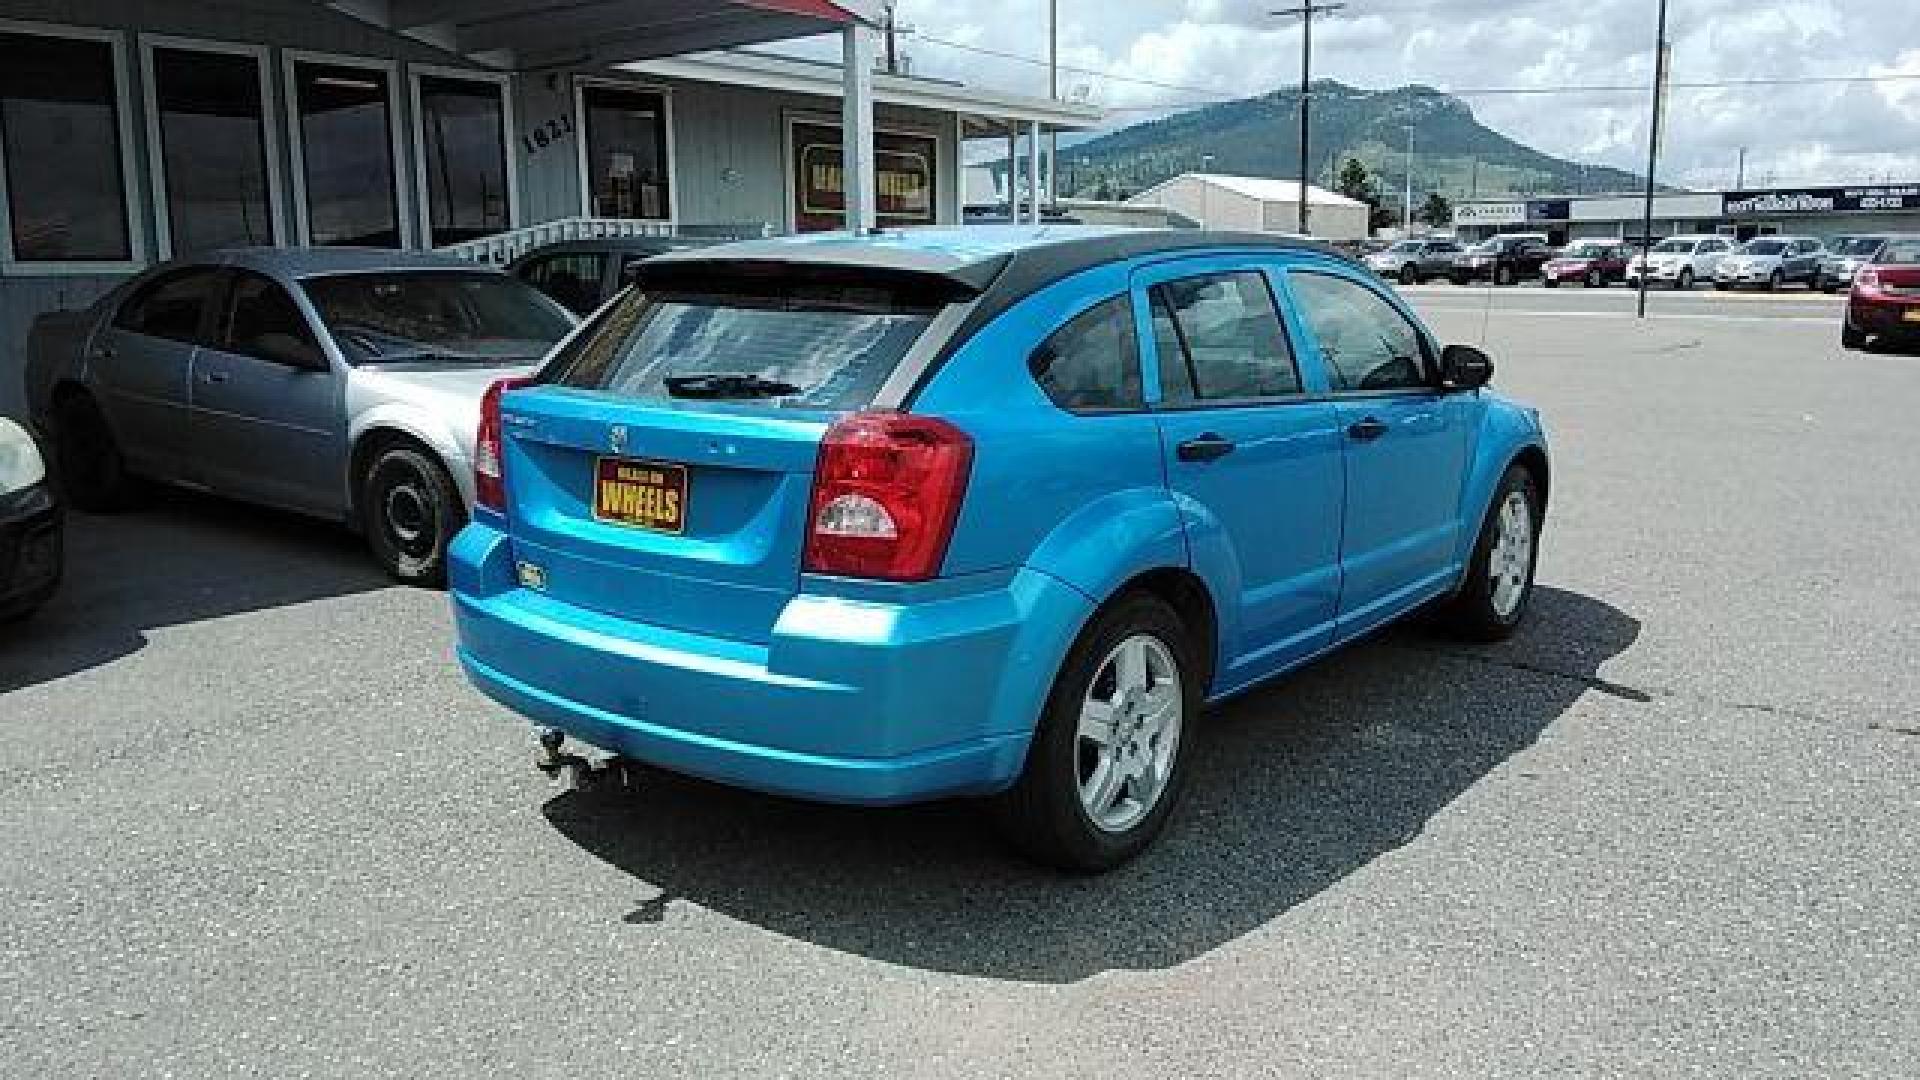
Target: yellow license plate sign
<point x="1912" y="314"/>
<point x="643" y="494"/>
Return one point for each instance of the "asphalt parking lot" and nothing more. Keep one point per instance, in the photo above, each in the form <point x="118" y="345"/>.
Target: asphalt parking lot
<point x="256" y="823"/>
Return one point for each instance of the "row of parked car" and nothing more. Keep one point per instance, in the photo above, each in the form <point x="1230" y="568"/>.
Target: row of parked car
<point x="1680" y="262"/>
<point x="870" y="520"/>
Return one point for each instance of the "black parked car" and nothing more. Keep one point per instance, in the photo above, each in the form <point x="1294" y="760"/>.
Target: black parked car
<point x="581" y="275"/>
<point x="30" y="554"/>
<point x="1502" y="260"/>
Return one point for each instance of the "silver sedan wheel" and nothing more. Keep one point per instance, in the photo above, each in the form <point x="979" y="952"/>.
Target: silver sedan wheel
<point x="1510" y="563"/>
<point x="1129" y="733"/>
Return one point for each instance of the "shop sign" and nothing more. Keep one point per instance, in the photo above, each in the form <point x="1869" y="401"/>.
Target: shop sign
<point x="1827" y="200"/>
<point x="905" y="182"/>
<point x="1501" y="213"/>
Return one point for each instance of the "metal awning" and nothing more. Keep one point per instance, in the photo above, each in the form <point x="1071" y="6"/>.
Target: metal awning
<point x="519" y="35"/>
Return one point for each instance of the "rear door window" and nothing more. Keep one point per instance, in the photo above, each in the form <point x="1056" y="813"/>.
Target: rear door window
<point x="172" y="306"/>
<point x="1219" y="339"/>
<point x="800" y="345"/>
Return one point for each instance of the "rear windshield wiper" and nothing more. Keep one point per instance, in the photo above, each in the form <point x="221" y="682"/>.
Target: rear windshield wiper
<point x="727" y="385"/>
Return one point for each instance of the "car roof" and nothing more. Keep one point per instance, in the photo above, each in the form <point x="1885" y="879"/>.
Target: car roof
<point x="975" y="258"/>
<point x="298" y="262"/>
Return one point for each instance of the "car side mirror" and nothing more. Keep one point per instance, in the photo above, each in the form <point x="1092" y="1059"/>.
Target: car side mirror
<point x="1463" y="367"/>
<point x="291" y="351"/>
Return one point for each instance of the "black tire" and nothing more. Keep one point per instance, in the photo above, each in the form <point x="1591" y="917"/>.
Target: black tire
<point x="1596" y="280"/>
<point x="92" y="471"/>
<point x="1409" y="275"/>
<point x="1684" y="282"/>
<point x="1549" y="283"/>
<point x="410" y="510"/>
<point x="1472" y="612"/>
<point x="1775" y="280"/>
<point x="1723" y="286"/>
<point x="1852" y="337"/>
<point x="1503" y="275"/>
<point x="1042" y="814"/>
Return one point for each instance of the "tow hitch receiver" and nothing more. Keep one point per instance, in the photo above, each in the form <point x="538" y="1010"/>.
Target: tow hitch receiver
<point x="575" y="772"/>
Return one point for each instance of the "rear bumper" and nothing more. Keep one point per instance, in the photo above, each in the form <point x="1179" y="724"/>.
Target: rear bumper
<point x="1885" y="315"/>
<point x="927" y="694"/>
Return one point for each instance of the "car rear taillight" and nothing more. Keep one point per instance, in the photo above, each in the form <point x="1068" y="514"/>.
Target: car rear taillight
<point x="886" y="493"/>
<point x="1866" y="280"/>
<point x="489" y="463"/>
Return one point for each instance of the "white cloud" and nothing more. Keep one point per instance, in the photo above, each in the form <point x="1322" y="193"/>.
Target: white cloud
<point x="1192" y="51"/>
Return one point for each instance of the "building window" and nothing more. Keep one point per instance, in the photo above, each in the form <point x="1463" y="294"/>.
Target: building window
<point x="60" y="144"/>
<point x="346" y="154"/>
<point x="463" y="136"/>
<point x="211" y="114"/>
<point x="626" y="153"/>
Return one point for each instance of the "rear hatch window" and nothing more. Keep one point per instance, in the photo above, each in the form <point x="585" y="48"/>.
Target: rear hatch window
<point x="803" y="345"/>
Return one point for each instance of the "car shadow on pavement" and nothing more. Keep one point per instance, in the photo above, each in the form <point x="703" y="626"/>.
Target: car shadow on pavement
<point x="1297" y="785"/>
<point x="177" y="558"/>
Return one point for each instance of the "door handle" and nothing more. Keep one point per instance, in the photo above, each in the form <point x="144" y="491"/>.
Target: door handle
<point x="214" y="377"/>
<point x="1367" y="430"/>
<point x="104" y="352"/>
<point x="1208" y="447"/>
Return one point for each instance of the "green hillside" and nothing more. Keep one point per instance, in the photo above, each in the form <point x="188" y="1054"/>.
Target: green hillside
<point x="1454" y="154"/>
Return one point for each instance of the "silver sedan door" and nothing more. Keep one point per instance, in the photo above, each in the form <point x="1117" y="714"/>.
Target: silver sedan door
<point x="268" y="405"/>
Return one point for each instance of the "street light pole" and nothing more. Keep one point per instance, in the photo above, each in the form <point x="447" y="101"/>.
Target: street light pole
<point x="1740" y="174"/>
<point x="1653" y="155"/>
<point x="1406" y="228"/>
<point x="1307" y="10"/>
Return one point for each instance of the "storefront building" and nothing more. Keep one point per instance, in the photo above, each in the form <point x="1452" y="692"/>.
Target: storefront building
<point x="133" y="132"/>
<point x="1819" y="211"/>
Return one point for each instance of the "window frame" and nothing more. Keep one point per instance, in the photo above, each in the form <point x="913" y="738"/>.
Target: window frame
<point x="417" y="126"/>
<point x="1288" y="333"/>
<point x="124" y="105"/>
<point x="583" y="158"/>
<point x="403" y="211"/>
<point x="1429" y="366"/>
<point x="262" y="56"/>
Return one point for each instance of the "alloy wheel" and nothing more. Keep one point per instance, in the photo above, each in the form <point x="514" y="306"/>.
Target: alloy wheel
<point x="1510" y="562"/>
<point x="1129" y="733"/>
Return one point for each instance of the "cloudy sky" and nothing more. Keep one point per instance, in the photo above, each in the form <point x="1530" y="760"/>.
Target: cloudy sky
<point x="1142" y="57"/>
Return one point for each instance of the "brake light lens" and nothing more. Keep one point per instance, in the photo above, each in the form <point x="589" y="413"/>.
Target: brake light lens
<point x="886" y="494"/>
<point x="489" y="463"/>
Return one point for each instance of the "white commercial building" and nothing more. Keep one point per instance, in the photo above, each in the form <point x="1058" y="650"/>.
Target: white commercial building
<point x="1258" y="204"/>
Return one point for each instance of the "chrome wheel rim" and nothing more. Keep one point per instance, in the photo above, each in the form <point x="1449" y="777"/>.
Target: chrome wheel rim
<point x="1129" y="733"/>
<point x="1510" y="563"/>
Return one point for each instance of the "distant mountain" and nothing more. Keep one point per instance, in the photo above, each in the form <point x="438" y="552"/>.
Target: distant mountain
<point x="1454" y="154"/>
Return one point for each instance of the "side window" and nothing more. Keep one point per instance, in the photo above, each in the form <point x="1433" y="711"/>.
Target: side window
<point x="263" y="322"/>
<point x="572" y="280"/>
<point x="1367" y="343"/>
<point x="171" y="306"/>
<point x="1092" y="364"/>
<point x="1224" y="331"/>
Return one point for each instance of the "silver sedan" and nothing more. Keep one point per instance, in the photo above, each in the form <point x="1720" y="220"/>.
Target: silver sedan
<point x="344" y="384"/>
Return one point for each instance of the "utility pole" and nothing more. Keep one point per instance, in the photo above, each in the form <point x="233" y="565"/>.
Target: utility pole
<point x="893" y="53"/>
<point x="1307" y="10"/>
<point x="1053" y="93"/>
<point x="1740" y="173"/>
<point x="1406" y="229"/>
<point x="1653" y="154"/>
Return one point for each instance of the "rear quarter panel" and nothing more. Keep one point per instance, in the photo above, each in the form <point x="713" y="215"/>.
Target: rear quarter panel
<point x="1079" y="497"/>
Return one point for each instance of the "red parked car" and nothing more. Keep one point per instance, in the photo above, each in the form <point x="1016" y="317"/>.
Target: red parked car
<point x="1595" y="263"/>
<point x="1884" y="306"/>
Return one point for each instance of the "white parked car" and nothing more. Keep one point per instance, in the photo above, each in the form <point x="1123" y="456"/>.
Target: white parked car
<point x="1679" y="261"/>
<point x="1770" y="262"/>
<point x="30" y="554"/>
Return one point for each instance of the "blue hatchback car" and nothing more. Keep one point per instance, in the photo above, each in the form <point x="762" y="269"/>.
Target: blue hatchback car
<point x="994" y="512"/>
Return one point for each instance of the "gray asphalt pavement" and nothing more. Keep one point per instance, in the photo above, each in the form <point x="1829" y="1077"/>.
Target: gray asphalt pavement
<point x="252" y="822"/>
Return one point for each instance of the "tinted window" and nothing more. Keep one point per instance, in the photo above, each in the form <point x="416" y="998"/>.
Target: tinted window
<point x="263" y="322"/>
<point x="1228" y="339"/>
<point x="626" y="152"/>
<point x="171" y="306"/>
<point x="1766" y="247"/>
<point x="790" y="345"/>
<point x="1368" y="345"/>
<point x="347" y="148"/>
<point x="60" y="123"/>
<point x="1899" y="253"/>
<point x="572" y="279"/>
<point x="214" y="145"/>
<point x="463" y="129"/>
<point x="1092" y="363"/>
<point x="444" y="314"/>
